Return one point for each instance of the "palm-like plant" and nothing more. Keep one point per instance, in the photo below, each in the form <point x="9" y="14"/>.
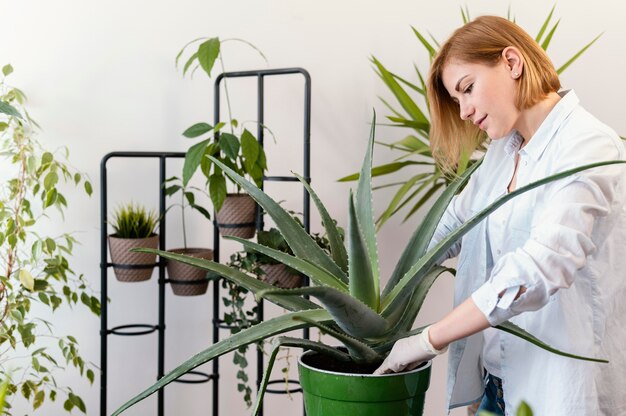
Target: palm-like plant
<point x="416" y="188"/>
<point x="352" y="307"/>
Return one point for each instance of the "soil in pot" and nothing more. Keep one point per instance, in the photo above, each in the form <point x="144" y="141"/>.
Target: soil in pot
<point x="127" y="261"/>
<point x="178" y="271"/>
<point x="237" y="217"/>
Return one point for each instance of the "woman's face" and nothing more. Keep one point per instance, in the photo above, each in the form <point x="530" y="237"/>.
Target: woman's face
<point x="485" y="94"/>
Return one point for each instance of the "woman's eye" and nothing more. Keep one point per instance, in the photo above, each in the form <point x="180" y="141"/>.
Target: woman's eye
<point x="468" y="89"/>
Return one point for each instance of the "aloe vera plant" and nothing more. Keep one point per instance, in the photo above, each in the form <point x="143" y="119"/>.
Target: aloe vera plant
<point x="352" y="308"/>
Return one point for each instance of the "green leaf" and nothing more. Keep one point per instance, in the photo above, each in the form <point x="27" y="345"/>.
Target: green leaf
<point x="208" y="52"/>
<point x="51" y="197"/>
<point x="8" y="109"/>
<point x="298" y="239"/>
<point x="524" y="409"/>
<point x="7" y="69"/>
<point x="189" y="62"/>
<point x="46" y="158"/>
<point x="577" y="55"/>
<point x="250" y="149"/>
<point x="360" y="273"/>
<point x="337" y="248"/>
<point x="548" y="38"/>
<point x="50" y="180"/>
<point x="256" y="333"/>
<point x="39" y="399"/>
<point x="545" y="25"/>
<point x="316" y="274"/>
<point x="229" y="143"/>
<point x="217" y="191"/>
<point x="431" y="51"/>
<point x="365" y="215"/>
<point x="197" y="129"/>
<point x="27" y="280"/>
<point x="353" y="316"/>
<point x="88" y="188"/>
<point x="192" y="159"/>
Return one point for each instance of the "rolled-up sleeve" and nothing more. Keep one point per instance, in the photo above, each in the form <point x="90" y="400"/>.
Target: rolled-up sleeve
<point x="558" y="246"/>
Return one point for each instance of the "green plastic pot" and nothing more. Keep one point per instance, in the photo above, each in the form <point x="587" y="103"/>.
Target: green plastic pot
<point x="328" y="393"/>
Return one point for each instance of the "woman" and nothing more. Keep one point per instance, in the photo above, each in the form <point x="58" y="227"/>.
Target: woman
<point x="551" y="260"/>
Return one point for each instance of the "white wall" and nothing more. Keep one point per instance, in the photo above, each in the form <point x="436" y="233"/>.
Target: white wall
<point x="101" y="78"/>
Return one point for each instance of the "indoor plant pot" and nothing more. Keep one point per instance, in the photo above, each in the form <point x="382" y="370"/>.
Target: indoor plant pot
<point x="280" y="276"/>
<point x="237" y="216"/>
<point x="181" y="271"/>
<point x="328" y="393"/>
<point x="122" y="257"/>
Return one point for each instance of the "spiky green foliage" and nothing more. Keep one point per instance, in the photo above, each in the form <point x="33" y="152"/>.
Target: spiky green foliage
<point x="351" y="307"/>
<point x="134" y="221"/>
<point x="417" y="187"/>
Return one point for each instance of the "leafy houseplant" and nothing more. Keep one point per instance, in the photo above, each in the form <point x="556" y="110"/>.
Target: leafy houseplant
<point x="134" y="227"/>
<point x="355" y="311"/>
<point x="239" y="151"/>
<point x="416" y="188"/>
<point x="36" y="273"/>
<point x="178" y="272"/>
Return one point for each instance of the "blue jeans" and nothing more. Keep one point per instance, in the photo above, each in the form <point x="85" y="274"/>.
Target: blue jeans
<point x="493" y="398"/>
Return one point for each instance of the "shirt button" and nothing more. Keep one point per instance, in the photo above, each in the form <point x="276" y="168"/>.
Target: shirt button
<point x="526" y="163"/>
<point x="499" y="251"/>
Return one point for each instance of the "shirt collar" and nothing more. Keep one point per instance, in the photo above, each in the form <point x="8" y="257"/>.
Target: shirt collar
<point x="546" y="131"/>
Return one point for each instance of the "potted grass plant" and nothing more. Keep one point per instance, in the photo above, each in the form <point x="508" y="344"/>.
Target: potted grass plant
<point x="350" y="305"/>
<point x="187" y="280"/>
<point x="134" y="227"/>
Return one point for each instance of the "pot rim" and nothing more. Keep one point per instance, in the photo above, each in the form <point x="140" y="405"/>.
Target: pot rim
<point x="415" y="370"/>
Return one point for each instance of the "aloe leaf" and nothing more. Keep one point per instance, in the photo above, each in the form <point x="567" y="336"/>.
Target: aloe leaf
<point x="296" y="237"/>
<point x="256" y="333"/>
<point x="359" y="352"/>
<point x="421" y="237"/>
<point x="337" y="248"/>
<point x="316" y="274"/>
<point x="577" y="55"/>
<point x="401" y="95"/>
<point x="361" y="277"/>
<point x="352" y="315"/>
<point x="283" y="341"/>
<point x="511" y="328"/>
<point x="246" y="281"/>
<point x="365" y="214"/>
<point x="405" y="285"/>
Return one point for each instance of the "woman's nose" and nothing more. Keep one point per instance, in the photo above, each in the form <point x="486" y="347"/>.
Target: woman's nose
<point x="466" y="111"/>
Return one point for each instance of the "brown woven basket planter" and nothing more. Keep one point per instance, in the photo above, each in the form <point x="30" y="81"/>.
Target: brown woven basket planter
<point x="181" y="271"/>
<point x="237" y="217"/>
<point x="280" y="276"/>
<point x="120" y="255"/>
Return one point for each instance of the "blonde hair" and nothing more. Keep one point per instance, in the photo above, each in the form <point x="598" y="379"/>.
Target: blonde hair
<point x="482" y="41"/>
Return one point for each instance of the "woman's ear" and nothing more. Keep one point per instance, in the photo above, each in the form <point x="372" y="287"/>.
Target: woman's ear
<point x="514" y="61"/>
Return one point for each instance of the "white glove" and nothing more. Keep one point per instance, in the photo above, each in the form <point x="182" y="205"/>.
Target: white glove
<point x="408" y="353"/>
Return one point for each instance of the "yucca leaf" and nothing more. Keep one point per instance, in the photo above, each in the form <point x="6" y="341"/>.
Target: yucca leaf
<point x="544" y="26"/>
<point x="360" y="275"/>
<point x="401" y="95"/>
<point x="577" y="55"/>
<point x="420" y="239"/>
<point x="296" y="237"/>
<point x="408" y="84"/>
<point x="365" y="214"/>
<point x="405" y="285"/>
<point x="316" y="274"/>
<point x="411" y="143"/>
<point x="281" y="342"/>
<point x="511" y="328"/>
<point x="397" y="198"/>
<point x="424" y="198"/>
<point x="431" y="51"/>
<point x="410" y="123"/>
<point x="337" y="248"/>
<point x="548" y="38"/>
<point x="261" y="331"/>
<point x="359" y="351"/>
<point x="383" y="170"/>
<point x="353" y="316"/>
<point x="248" y="282"/>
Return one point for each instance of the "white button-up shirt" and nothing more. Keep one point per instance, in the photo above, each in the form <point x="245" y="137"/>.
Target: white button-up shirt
<point x="565" y="243"/>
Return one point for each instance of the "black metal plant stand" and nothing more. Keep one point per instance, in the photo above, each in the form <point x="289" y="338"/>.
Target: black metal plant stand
<point x="143" y="329"/>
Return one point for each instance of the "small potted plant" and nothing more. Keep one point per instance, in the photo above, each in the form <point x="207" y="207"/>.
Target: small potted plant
<point x="350" y="305"/>
<point x="178" y="272"/>
<point x="134" y="227"/>
<point x="237" y="148"/>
